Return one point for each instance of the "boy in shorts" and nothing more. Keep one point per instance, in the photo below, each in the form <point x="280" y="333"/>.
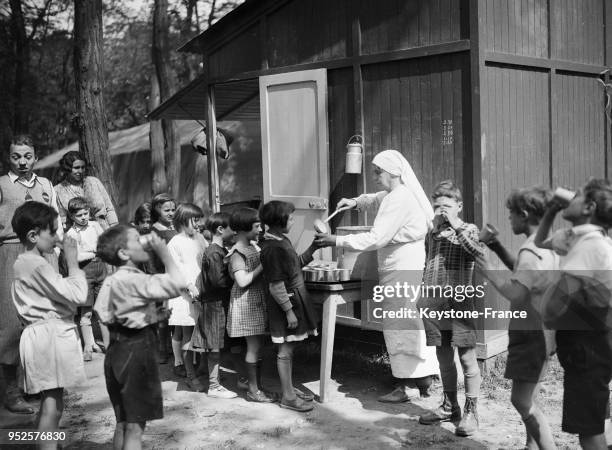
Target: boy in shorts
<point x="86" y="233"/>
<point x="450" y="249"/>
<point x="127" y="304"/>
<point x="578" y="306"/>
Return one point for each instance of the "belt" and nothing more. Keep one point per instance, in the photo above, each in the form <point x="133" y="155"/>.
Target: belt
<point x="120" y="333"/>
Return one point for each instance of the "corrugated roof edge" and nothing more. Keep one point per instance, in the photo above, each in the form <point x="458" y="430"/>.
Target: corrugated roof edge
<point x="156" y="113"/>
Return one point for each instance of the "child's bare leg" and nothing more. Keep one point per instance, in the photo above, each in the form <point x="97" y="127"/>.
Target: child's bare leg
<point x="539" y="434"/>
<point x="187" y="354"/>
<point x="132" y="438"/>
<point x="594" y="442"/>
<point x="177" y="337"/>
<point x="51" y="407"/>
<point x="471" y="371"/>
<point x="119" y="436"/>
<point x="87" y="331"/>
<point x="252" y="353"/>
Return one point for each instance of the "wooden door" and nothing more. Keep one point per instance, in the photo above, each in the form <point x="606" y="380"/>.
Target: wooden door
<point x="295" y="146"/>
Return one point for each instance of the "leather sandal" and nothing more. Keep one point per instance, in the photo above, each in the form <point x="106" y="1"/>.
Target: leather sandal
<point x="260" y="397"/>
<point x="297" y="404"/>
<point x="17" y="405"/>
<point x="307" y="396"/>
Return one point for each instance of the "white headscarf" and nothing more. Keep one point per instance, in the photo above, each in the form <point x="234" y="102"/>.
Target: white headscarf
<point x="394" y="162"/>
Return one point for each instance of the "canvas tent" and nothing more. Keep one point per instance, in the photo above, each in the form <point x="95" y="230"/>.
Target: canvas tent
<point x="131" y="161"/>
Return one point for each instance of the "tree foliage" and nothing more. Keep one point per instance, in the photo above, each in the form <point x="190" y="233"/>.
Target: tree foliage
<point x="36" y="61"/>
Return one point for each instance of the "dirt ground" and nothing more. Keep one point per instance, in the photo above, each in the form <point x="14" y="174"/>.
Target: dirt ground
<point x="353" y="419"/>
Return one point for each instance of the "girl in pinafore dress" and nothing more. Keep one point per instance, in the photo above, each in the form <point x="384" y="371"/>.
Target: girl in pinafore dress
<point x="187" y="248"/>
<point x="291" y="316"/>
<point x="247" y="310"/>
<point x="50" y="349"/>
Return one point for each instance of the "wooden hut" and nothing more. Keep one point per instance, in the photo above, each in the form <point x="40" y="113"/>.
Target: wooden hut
<point x="494" y="94"/>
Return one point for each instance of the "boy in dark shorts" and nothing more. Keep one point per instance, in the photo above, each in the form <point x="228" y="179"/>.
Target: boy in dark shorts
<point x="126" y="303"/>
<point x="450" y="249"/>
<point x="578" y="306"/>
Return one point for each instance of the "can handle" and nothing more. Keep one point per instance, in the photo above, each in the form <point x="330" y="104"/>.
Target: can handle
<point x="358" y="137"/>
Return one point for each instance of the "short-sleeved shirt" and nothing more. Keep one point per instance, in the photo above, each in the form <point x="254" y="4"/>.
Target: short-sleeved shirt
<point x="588" y="259"/>
<point x="40" y="293"/>
<point x="87" y="239"/>
<point x="533" y="269"/>
<point x="128" y="297"/>
<point x="562" y="241"/>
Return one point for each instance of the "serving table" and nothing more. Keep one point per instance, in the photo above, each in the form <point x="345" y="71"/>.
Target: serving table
<point x="330" y="295"/>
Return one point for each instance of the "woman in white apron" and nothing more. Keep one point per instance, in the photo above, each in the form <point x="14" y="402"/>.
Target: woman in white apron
<point x="403" y="215"/>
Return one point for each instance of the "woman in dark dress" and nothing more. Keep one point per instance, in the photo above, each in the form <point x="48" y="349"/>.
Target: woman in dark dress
<point x="290" y="313"/>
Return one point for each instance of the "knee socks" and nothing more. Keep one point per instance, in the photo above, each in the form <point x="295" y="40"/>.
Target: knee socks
<point x="284" y="366"/>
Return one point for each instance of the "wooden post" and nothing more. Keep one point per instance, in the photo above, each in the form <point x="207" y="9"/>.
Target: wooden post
<point x="358" y="106"/>
<point x="211" y="141"/>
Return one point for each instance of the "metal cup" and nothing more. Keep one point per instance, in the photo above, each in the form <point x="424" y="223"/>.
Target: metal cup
<point x="145" y="241"/>
<point x="563" y="196"/>
<point x="488" y="233"/>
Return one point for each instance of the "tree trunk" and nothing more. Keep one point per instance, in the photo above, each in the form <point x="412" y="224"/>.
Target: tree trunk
<point x="88" y="70"/>
<point x="156" y="139"/>
<point x="22" y="60"/>
<point x="161" y="60"/>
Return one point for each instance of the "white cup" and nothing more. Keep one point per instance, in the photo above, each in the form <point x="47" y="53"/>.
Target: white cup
<point x="145" y="241"/>
<point x="563" y="196"/>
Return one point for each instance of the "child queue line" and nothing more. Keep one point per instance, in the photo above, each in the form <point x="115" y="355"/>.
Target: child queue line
<point x="218" y="296"/>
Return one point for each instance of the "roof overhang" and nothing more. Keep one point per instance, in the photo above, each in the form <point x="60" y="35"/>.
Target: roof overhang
<point x="246" y="13"/>
<point x="236" y="100"/>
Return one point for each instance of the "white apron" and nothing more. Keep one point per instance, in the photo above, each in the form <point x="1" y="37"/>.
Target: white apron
<point x="409" y="354"/>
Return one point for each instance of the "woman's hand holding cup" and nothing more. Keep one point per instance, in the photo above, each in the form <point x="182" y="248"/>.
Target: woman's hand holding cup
<point x="324" y="240"/>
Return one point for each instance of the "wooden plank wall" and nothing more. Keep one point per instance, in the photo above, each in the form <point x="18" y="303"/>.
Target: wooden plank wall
<point x="398" y="24"/>
<point x="341" y="125"/>
<point x="515" y="139"/>
<point x="577" y="30"/>
<point x="542" y="116"/>
<point x="541" y="124"/>
<point x="308" y="31"/>
<point x="405" y="104"/>
<point x="238" y="55"/>
<point x="518" y="27"/>
<point x="578" y="121"/>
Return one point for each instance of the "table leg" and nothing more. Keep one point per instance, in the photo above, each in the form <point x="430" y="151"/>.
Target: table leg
<point x="327" y="346"/>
